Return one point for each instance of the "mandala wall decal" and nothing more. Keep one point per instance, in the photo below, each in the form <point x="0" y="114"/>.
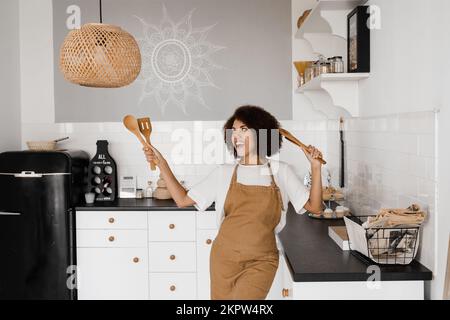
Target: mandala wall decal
<point x="176" y="61"/>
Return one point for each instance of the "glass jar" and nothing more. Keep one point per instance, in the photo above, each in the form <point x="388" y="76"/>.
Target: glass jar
<point x="309" y="73"/>
<point x="300" y="80"/>
<point x="325" y="68"/>
<point x="338" y="64"/>
<point x="139" y="194"/>
<point x="316" y="67"/>
<point x="331" y="62"/>
<point x="149" y="190"/>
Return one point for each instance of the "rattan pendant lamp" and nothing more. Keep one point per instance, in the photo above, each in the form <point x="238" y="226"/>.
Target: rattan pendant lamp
<point x="100" y="55"/>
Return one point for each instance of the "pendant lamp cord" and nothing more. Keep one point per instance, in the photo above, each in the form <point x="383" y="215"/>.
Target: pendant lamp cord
<point x="101" y="11"/>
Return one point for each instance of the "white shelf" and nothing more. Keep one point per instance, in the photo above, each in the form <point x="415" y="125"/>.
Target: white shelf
<point x="317" y="82"/>
<point x="328" y="17"/>
<point x="335" y="94"/>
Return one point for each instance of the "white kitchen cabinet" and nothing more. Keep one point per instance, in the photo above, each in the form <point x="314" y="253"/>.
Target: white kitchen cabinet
<point x="128" y="220"/>
<point x="172" y="257"/>
<point x="206" y="220"/>
<point x="288" y="283"/>
<point x="112" y="274"/>
<point x="277" y="290"/>
<point x="171" y="226"/>
<point x="204" y="242"/>
<point x="112" y="238"/>
<point x="351" y="290"/>
<point x="173" y="286"/>
<point x="358" y="290"/>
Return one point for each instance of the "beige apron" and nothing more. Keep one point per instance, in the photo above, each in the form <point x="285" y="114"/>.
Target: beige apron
<point x="244" y="255"/>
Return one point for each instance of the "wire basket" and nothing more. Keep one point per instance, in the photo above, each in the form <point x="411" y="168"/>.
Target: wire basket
<point x="393" y="245"/>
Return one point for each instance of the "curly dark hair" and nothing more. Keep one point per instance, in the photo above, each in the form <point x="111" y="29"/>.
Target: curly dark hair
<point x="262" y="123"/>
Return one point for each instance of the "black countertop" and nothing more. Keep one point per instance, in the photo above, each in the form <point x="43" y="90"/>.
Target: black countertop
<point x="311" y="254"/>
<point x="314" y="257"/>
<point x="135" y="205"/>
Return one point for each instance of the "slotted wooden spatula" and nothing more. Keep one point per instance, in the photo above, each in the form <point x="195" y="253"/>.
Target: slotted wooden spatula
<point x="145" y="126"/>
<point x="297" y="142"/>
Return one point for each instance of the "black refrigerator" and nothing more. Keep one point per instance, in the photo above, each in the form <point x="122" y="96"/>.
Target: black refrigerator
<point x="38" y="191"/>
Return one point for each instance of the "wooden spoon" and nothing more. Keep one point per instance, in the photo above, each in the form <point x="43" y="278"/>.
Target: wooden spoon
<point x="132" y="125"/>
<point x="145" y="126"/>
<point x="297" y="142"/>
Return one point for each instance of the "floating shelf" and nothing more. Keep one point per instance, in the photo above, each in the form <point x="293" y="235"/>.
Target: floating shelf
<point x="328" y="17"/>
<point x="336" y="94"/>
<point x="318" y="82"/>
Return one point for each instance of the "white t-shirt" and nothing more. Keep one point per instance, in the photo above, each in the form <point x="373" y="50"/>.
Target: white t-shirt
<point x="214" y="187"/>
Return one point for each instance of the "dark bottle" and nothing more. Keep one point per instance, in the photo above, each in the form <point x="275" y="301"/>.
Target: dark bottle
<point x="103" y="169"/>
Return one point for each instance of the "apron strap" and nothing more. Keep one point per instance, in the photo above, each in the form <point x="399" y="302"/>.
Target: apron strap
<point x="234" y="178"/>
<point x="274" y="185"/>
<point x="271" y="175"/>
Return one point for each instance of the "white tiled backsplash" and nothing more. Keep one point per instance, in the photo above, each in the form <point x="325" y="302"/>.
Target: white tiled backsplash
<point x="170" y="138"/>
<point x="390" y="163"/>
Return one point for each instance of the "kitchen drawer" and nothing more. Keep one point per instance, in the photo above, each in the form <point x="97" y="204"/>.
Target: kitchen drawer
<point x="173" y="286"/>
<point x="206" y="220"/>
<point x="111" y="220"/>
<point x="171" y="226"/>
<point x="172" y="257"/>
<point x="112" y="239"/>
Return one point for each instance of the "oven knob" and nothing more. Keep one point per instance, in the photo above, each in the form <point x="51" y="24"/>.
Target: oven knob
<point x="108" y="169"/>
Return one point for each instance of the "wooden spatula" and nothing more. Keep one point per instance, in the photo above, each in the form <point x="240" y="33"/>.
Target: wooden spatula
<point x="145" y="126"/>
<point x="132" y="125"/>
<point x="297" y="142"/>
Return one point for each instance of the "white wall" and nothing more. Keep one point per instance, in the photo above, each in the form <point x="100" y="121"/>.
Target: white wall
<point x="36" y="59"/>
<point x="441" y="52"/>
<point x="402" y="56"/>
<point x="409" y="73"/>
<point x="9" y="76"/>
<point x="396" y="150"/>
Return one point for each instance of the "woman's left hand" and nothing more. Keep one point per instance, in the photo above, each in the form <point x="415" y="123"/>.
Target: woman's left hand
<point x="313" y="155"/>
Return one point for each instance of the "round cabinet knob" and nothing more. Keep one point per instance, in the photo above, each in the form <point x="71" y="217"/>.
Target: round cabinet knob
<point x="108" y="169"/>
<point x="172" y="257"/>
<point x="97" y="170"/>
<point x="136" y="260"/>
<point x="173" y="288"/>
<point x="111" y="239"/>
<point x="209" y="241"/>
<point x="171" y="226"/>
<point x="111" y="220"/>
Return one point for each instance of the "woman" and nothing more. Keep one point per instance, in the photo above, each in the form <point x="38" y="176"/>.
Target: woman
<point x="251" y="202"/>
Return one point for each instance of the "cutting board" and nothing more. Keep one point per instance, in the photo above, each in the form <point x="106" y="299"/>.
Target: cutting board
<point x="340" y="236"/>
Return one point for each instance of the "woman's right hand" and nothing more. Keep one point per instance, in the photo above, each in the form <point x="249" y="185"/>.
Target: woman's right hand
<point x="153" y="155"/>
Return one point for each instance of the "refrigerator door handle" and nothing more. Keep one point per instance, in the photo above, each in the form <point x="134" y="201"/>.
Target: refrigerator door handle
<point x="28" y="174"/>
<point x="4" y="213"/>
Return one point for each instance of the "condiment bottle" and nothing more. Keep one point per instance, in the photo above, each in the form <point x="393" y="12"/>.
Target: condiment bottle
<point x="149" y="190"/>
